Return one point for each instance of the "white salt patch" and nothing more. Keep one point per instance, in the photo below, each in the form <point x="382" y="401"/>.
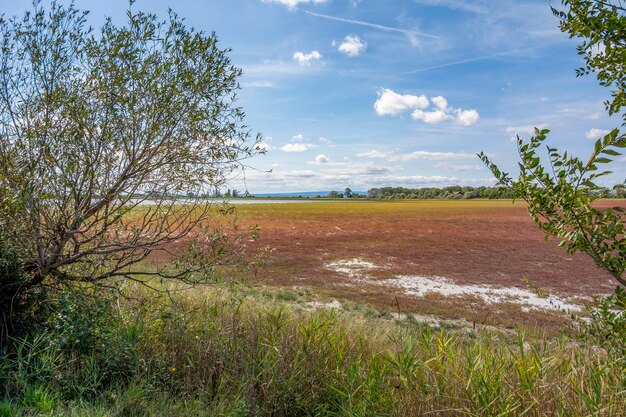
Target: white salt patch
<point x="354" y="268"/>
<point x="419" y="286"/>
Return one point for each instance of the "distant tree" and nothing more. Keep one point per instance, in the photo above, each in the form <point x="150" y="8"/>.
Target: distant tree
<point x="347" y="193"/>
<point x="93" y="125"/>
<point x="561" y="193"/>
<point x="335" y="194"/>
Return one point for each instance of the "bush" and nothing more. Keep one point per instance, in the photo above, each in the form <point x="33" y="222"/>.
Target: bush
<point x="22" y="309"/>
<point x="607" y="327"/>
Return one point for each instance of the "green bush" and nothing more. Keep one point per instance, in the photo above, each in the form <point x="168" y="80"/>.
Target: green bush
<point x="22" y="310"/>
<point x="607" y="327"/>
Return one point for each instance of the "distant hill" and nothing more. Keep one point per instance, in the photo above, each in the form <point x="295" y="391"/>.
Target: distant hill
<point x="305" y="194"/>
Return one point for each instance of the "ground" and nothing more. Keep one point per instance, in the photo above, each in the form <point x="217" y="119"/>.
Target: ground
<point x="458" y="259"/>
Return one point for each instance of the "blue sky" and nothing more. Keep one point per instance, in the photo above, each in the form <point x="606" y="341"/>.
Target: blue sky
<point x="369" y="93"/>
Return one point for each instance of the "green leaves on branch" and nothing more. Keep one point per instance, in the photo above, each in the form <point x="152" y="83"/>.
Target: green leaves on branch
<point x="561" y="195"/>
<point x="602" y="25"/>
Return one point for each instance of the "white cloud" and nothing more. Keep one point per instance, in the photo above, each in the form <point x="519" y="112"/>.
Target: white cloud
<point x="297" y="147"/>
<point x="593" y="134"/>
<point x="325" y="140"/>
<point x="412" y="35"/>
<point x="305" y="59"/>
<point x="523" y="131"/>
<point x="292" y="4"/>
<point x="297" y="138"/>
<point x="440" y="102"/>
<point x="374" y="154"/>
<point x="258" y="84"/>
<point x="322" y="159"/>
<point x="432" y="156"/>
<point x="391" y="103"/>
<point x="358" y="176"/>
<point x="467" y="117"/>
<point x="446" y="166"/>
<point x="352" y="45"/>
<point x="430" y="117"/>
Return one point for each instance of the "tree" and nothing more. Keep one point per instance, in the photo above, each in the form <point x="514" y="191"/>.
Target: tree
<point x="561" y="194"/>
<point x="100" y="137"/>
<point x="347" y="193"/>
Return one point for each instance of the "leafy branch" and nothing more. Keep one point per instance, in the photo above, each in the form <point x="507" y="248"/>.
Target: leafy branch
<point x="561" y="195"/>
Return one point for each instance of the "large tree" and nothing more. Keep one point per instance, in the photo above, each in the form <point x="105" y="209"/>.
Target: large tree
<point x="561" y="193"/>
<point x="101" y="133"/>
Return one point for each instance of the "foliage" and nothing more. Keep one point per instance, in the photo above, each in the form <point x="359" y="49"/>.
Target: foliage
<point x="560" y="195"/>
<point x="602" y="25"/>
<point x="607" y="327"/>
<point x="560" y="199"/>
<point x="20" y="312"/>
<point x="97" y="126"/>
<point x="229" y="352"/>
<point x="456" y="192"/>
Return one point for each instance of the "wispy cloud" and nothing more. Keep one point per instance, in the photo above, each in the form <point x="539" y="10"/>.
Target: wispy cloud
<point x="412" y="35"/>
<point x="258" y="84"/>
<point x="431" y="156"/>
<point x="464" y="61"/>
<point x="447" y="166"/>
<point x="293" y="4"/>
<point x="523" y="131"/>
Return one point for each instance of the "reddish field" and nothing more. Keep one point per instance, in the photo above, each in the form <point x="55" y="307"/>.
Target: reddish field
<point x="469" y="242"/>
<point x="479" y="242"/>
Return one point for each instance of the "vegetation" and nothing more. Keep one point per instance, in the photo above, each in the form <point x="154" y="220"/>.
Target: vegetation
<point x="238" y="352"/>
<point x="94" y="125"/>
<point x="104" y="137"/>
<point x="561" y="193"/>
<point x="456" y="192"/>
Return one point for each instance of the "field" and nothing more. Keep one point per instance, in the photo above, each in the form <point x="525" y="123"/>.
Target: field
<point x="395" y="255"/>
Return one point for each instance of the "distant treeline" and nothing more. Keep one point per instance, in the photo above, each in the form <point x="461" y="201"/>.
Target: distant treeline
<point x="456" y="192"/>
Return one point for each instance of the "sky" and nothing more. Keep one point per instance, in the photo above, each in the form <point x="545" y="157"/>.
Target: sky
<point x="372" y="93"/>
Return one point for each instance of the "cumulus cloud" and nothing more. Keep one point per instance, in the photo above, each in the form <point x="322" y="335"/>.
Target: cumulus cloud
<point x="352" y="45"/>
<point x="322" y="159"/>
<point x="297" y="147"/>
<point x="432" y="117"/>
<point x="440" y="102"/>
<point x="593" y="134"/>
<point x="293" y="4"/>
<point x="523" y="131"/>
<point x="305" y="59"/>
<point x="467" y="117"/>
<point x="297" y="138"/>
<point x="391" y="103"/>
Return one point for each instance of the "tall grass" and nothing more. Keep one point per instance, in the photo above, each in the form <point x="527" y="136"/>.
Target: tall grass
<point x="229" y="352"/>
